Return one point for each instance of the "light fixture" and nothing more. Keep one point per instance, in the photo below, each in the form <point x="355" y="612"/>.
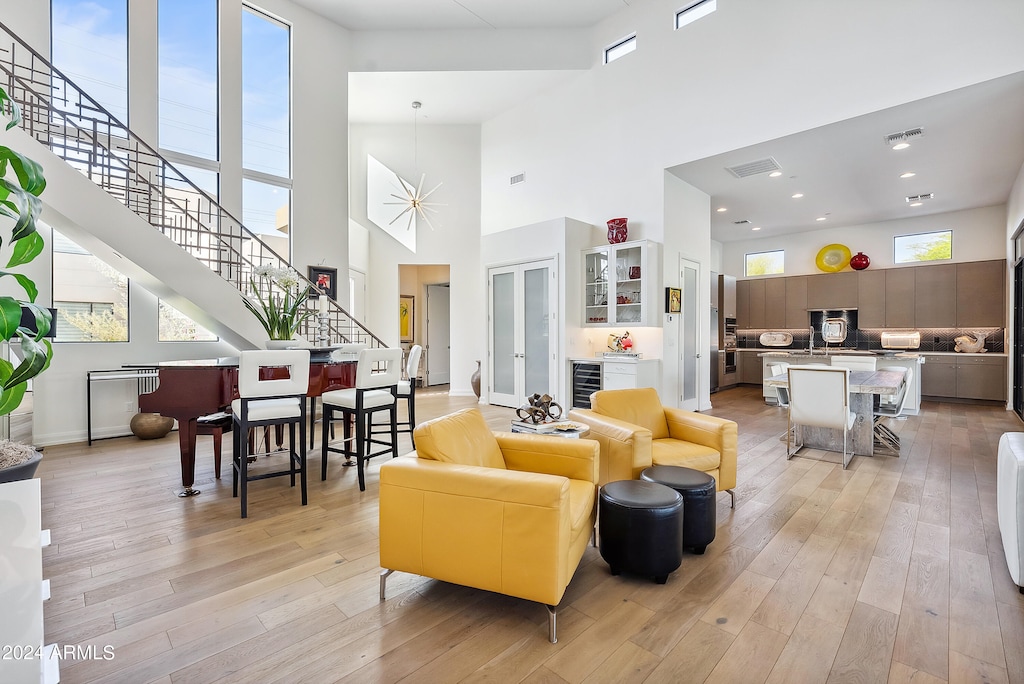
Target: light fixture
<point x="821" y="218"/>
<point x="720" y="209"/>
<point x="774" y="174"/>
<point x="908" y="174"/>
<point x="414" y="200"/>
<point x="900" y="139"/>
<point x="916" y="204"/>
<point x="798" y="195"/>
<point x="756" y="228"/>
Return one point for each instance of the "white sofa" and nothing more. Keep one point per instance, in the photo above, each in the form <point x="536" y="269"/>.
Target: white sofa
<point x="1010" y="502"/>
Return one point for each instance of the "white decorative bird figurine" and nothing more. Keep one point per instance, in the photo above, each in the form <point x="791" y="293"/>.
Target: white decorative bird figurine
<point x="968" y="346"/>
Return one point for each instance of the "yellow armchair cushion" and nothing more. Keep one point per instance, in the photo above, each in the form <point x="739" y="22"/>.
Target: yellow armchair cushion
<point x="676" y="452"/>
<point x="461" y="438"/>
<point x="576" y="459"/>
<point x="640" y="406"/>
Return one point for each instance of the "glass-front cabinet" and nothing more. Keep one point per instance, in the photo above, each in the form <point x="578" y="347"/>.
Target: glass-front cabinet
<point x="618" y="284"/>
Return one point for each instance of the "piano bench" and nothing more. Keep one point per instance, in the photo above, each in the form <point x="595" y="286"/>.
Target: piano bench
<point x="216" y="425"/>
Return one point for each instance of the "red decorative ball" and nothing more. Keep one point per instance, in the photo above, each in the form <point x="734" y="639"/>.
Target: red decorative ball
<point x="617" y="230"/>
<point x="859" y="261"/>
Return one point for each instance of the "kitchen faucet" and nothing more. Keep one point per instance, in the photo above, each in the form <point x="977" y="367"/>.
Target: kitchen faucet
<point x="810" y="343"/>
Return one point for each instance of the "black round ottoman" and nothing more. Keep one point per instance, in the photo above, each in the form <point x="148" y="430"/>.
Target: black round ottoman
<point x="698" y="492"/>
<point x="641" y="526"/>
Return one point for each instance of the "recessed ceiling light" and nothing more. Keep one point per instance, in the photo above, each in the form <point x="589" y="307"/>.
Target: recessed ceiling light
<point x="821" y="218"/>
<point x="901" y="146"/>
<point x="916" y="204"/>
<point x="774" y="174"/>
<point x="798" y="195"/>
<point x="908" y="174"/>
<point x="721" y="209"/>
<point x="756" y="228"/>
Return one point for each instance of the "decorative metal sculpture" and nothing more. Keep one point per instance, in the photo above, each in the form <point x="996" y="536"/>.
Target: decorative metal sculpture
<point x="539" y="408"/>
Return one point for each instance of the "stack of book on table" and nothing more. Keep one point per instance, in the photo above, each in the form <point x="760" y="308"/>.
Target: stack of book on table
<point x="563" y="428"/>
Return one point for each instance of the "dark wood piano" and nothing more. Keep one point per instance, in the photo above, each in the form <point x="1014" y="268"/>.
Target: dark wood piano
<point x="187" y="390"/>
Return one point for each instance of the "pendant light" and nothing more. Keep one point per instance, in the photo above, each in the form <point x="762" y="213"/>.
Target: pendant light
<point x="414" y="199"/>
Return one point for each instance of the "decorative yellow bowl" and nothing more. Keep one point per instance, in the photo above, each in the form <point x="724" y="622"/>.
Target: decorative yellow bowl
<point x="832" y="258"/>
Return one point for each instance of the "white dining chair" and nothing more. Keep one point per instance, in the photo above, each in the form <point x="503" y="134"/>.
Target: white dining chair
<point x="819" y="396"/>
<point x="378" y="373"/>
<point x="860" y="363"/>
<point x="884" y="436"/>
<point x="266" y="398"/>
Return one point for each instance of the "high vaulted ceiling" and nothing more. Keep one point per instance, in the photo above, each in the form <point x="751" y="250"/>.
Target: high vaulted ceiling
<point x="392" y="15"/>
<point x="971" y="150"/>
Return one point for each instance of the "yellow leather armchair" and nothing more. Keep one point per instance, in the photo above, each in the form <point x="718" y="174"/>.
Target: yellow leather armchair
<point x="509" y="513"/>
<point x="635" y="431"/>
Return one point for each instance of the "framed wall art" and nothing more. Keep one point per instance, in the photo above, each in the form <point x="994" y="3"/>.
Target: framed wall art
<point x="406" y="317"/>
<point x="326" y="279"/>
<point x="673" y="300"/>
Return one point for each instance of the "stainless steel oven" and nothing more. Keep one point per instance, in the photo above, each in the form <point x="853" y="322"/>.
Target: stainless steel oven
<point x="730" y="360"/>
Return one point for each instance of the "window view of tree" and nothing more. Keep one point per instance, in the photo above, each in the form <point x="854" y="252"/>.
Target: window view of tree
<point x="177" y="327"/>
<point x="924" y="247"/>
<point x="765" y="263"/>
<point x="91" y="298"/>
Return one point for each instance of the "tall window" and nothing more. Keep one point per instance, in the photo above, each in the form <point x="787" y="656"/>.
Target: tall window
<point x="91" y="298"/>
<point x="90" y="45"/>
<point x="187" y="34"/>
<point x="266" y="125"/>
<point x="177" y="327"/>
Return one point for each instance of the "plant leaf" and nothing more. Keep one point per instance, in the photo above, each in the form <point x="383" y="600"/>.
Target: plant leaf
<point x="28" y="171"/>
<point x="43" y="319"/>
<point x="26" y="249"/>
<point x="26" y="284"/>
<point x="10" y="397"/>
<point x="10" y="317"/>
<point x="37" y="357"/>
<point x="7" y="103"/>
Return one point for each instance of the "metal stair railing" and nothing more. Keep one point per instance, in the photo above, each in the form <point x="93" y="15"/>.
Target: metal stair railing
<point x="75" y="127"/>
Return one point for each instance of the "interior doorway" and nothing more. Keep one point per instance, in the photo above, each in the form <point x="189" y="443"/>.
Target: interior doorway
<point x="689" y="335"/>
<point x="438" y="334"/>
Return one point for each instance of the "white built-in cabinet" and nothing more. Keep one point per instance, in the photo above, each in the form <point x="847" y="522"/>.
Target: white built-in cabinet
<point x="620" y="284"/>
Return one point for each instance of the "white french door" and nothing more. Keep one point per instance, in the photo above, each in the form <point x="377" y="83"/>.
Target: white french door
<point x="522" y="332"/>
<point x="689" y="336"/>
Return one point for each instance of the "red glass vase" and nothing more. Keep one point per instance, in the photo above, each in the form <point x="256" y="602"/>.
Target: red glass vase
<point x="859" y="261"/>
<point x="617" y="231"/>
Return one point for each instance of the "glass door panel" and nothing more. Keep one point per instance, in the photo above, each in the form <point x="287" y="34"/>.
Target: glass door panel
<point x="537" y="331"/>
<point x="689" y="334"/>
<point x="503" y="374"/>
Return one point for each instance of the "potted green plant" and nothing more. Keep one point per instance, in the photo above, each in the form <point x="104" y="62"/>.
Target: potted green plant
<point x="21" y="182"/>
<point x="279" y="300"/>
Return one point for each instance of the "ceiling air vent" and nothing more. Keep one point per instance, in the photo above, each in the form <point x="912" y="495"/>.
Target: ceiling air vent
<point x="903" y="136"/>
<point x="518" y="178"/>
<point x="753" y="168"/>
<point x="920" y="198"/>
<point x="740" y="222"/>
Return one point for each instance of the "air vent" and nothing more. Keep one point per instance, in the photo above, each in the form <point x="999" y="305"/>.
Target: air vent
<point x="903" y="136"/>
<point x="920" y="198"/>
<point x="754" y="168"/>
<point x="518" y="178"/>
<point x="740" y="222"/>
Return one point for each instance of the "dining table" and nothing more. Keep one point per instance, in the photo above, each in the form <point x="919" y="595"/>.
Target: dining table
<point x="865" y="385"/>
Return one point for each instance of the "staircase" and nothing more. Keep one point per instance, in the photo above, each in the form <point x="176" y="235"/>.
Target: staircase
<point x="116" y="196"/>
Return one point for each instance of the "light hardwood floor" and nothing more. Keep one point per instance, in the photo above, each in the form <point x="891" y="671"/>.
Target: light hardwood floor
<point x="892" y="571"/>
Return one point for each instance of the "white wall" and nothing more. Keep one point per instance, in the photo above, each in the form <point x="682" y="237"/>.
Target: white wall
<point x="450" y="155"/>
<point x="978" y="235"/>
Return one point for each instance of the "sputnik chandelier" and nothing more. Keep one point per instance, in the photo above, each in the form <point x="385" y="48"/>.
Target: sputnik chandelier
<point x="414" y="199"/>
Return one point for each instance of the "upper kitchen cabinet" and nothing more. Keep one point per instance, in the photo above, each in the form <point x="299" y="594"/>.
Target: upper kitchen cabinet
<point x="775" y="303"/>
<point x="796" y="302"/>
<point x="756" y="305"/>
<point x="743" y="304"/>
<point x="832" y="290"/>
<point x="620" y="284"/>
<point x="935" y="296"/>
<point x="727" y="296"/>
<point x="871" y="299"/>
<point x="980" y="294"/>
<point x="900" y="298"/>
